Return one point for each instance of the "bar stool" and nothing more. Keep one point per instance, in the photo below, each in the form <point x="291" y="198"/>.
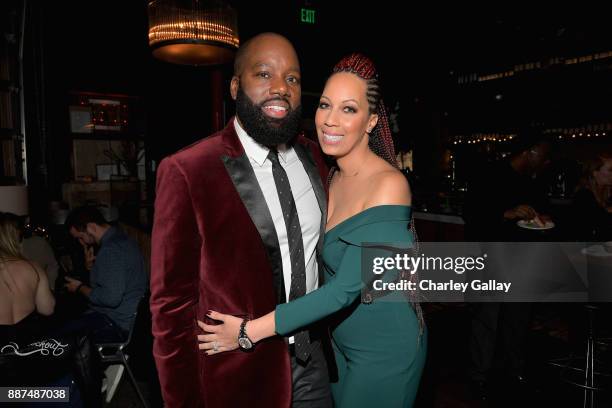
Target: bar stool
<point x="586" y="371"/>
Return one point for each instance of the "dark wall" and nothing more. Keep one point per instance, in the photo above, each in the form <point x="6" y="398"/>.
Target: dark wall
<point x="101" y="46"/>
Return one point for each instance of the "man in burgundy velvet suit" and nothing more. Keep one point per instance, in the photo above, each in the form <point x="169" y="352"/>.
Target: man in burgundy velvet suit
<point x="224" y="238"/>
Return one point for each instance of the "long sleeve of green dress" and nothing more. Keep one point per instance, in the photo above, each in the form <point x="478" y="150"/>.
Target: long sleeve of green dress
<point x="337" y="293"/>
<point x="345" y="285"/>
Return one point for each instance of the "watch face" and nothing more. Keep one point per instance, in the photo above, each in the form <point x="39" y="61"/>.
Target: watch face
<point x="245" y="343"/>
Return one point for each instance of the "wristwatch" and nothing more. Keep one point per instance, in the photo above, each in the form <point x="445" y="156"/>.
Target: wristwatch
<point x="243" y="340"/>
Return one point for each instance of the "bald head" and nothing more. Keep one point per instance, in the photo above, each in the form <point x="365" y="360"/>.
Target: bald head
<point x="261" y="42"/>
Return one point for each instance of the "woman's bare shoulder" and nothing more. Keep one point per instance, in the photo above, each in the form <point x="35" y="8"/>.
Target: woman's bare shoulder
<point x="389" y="187"/>
<point x="22" y="268"/>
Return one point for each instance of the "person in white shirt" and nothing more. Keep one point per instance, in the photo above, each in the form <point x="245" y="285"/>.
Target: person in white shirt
<point x="239" y="221"/>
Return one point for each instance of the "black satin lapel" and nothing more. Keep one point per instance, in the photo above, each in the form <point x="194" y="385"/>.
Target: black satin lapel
<point x="308" y="162"/>
<point x="242" y="175"/>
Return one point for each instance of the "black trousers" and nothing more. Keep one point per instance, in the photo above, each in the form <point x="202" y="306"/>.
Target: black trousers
<point x="505" y="324"/>
<point x="311" y="380"/>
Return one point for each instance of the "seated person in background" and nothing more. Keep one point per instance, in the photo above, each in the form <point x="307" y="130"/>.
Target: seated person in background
<point x="592" y="205"/>
<point x="117" y="281"/>
<point x="24" y="288"/>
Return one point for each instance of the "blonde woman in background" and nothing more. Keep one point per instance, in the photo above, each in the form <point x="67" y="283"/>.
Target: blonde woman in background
<point x="24" y="288"/>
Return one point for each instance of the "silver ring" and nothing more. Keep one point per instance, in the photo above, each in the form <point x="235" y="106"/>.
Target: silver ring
<point x="215" y="346"/>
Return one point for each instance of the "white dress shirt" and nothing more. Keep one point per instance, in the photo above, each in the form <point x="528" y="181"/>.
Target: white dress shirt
<point x="305" y="202"/>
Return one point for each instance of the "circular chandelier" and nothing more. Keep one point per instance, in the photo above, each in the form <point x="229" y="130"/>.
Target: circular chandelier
<point x="193" y="32"/>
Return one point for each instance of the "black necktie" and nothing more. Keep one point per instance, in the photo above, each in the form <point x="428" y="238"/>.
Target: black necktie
<point x="296" y="247"/>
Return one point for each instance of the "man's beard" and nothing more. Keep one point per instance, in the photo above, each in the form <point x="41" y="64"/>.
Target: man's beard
<point x="264" y="130"/>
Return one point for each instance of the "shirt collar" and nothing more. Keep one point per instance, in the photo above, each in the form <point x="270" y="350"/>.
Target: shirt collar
<point x="255" y="151"/>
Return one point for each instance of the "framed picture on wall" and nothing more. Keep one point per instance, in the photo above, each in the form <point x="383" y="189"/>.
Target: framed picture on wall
<point x="105" y="171"/>
<point x="80" y="119"/>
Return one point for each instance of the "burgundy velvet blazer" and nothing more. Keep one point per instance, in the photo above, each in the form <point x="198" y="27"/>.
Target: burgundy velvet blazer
<point x="214" y="246"/>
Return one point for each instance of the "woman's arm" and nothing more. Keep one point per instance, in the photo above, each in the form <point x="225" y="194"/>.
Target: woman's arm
<point x="261" y="328"/>
<point x="337" y="293"/>
<point x="45" y="302"/>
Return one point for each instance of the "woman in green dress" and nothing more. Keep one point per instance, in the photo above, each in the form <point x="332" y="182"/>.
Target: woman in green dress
<point x="379" y="346"/>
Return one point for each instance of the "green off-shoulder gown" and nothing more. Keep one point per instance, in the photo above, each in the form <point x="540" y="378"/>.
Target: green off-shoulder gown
<point x="379" y="347"/>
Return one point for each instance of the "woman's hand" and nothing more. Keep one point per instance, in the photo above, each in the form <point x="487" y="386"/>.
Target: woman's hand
<point x="222" y="337"/>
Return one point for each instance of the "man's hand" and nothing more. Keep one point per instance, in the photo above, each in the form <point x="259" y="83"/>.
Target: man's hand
<point x="72" y="284"/>
<point x="545" y="218"/>
<point x="90" y="258"/>
<point x="521" y="212"/>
